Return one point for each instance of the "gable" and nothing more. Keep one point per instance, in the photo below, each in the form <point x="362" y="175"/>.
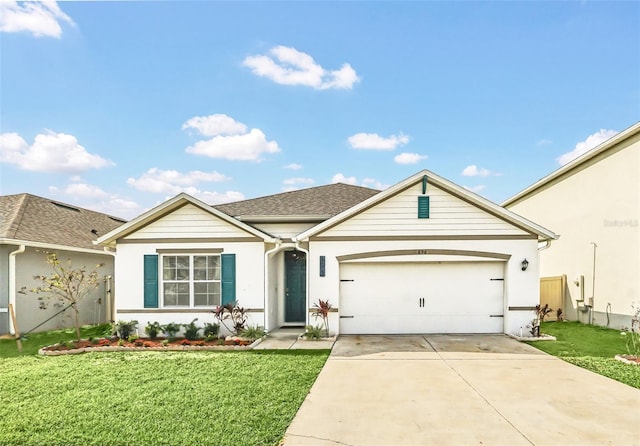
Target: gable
<point x="449" y="215"/>
<point x="189" y="222"/>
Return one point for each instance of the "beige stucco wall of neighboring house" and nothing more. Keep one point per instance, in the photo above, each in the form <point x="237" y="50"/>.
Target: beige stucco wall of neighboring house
<point x="595" y="203"/>
<point x="32" y="262"/>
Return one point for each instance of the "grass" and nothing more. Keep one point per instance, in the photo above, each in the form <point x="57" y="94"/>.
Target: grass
<point x="591" y="347"/>
<point x="158" y="398"/>
<point x="34" y="341"/>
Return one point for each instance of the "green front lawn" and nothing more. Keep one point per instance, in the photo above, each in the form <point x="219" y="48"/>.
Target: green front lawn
<point x="591" y="347"/>
<point x="151" y="398"/>
<point x="34" y="341"/>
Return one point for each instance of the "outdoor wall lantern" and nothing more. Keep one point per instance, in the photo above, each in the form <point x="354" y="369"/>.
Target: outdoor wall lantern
<point x="525" y="265"/>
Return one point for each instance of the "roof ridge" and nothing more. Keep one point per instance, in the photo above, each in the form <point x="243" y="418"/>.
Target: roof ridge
<point x="18" y="215"/>
<point x="295" y="191"/>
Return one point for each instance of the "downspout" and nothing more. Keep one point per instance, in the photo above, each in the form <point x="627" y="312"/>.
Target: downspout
<point x="593" y="285"/>
<point x="110" y="304"/>
<point x="306" y="308"/>
<point x="12" y="281"/>
<point x="267" y="320"/>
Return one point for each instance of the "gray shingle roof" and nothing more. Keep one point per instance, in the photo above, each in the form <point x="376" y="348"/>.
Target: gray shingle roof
<point x="326" y="200"/>
<point x="31" y="218"/>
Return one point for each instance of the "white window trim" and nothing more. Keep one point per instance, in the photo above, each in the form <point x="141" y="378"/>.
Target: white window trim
<point x="191" y="280"/>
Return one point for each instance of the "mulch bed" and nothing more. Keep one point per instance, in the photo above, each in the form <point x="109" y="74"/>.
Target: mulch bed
<point x="145" y="344"/>
<point x="629" y="359"/>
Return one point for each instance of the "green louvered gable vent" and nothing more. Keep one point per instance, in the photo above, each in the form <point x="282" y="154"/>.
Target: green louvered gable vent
<point x="228" y="278"/>
<point x="423" y="207"/>
<point x="151" y="281"/>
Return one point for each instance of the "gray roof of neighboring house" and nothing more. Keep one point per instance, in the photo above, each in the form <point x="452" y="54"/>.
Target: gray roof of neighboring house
<point x="325" y="201"/>
<point x="30" y="218"/>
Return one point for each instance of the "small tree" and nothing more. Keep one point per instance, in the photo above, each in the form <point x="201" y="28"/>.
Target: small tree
<point x="67" y="284"/>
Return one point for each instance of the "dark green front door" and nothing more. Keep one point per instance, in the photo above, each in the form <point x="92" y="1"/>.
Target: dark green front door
<point x="295" y="296"/>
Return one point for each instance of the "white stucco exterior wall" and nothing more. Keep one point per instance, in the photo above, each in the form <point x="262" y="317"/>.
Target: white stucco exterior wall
<point x="130" y="287"/>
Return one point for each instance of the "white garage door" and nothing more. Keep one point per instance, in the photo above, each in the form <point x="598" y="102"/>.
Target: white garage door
<point x="393" y="298"/>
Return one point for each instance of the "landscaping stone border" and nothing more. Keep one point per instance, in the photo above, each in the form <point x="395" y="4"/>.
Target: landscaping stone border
<point x="168" y="348"/>
<point x="531" y="338"/>
<point x="622" y="358"/>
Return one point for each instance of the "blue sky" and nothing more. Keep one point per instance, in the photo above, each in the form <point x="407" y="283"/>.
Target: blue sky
<point x="117" y="106"/>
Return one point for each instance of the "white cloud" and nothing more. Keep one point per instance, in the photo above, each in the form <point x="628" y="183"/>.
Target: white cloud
<point x="409" y="158"/>
<point x="374" y="184"/>
<point x="544" y="142"/>
<point x="214" y="125"/>
<point x="293" y="166"/>
<point x="474" y="171"/>
<point x="217" y="197"/>
<point x="92" y="197"/>
<point x="230" y="139"/>
<point x="374" y="141"/>
<point x="50" y="152"/>
<point x="173" y="182"/>
<point x="477" y="189"/>
<point x="584" y="146"/>
<point x="366" y="182"/>
<point x="340" y="178"/>
<point x="288" y="66"/>
<point x="42" y="19"/>
<point x="297" y="181"/>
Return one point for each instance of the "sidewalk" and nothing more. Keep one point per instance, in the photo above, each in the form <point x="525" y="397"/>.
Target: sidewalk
<point x="289" y="339"/>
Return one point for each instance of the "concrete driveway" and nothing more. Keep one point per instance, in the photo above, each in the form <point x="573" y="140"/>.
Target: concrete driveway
<point x="460" y="390"/>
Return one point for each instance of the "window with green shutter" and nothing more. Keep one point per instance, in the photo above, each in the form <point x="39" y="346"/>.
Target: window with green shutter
<point x="423" y="207"/>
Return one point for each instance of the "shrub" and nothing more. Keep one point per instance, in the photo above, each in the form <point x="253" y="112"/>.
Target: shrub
<point x="252" y="332"/>
<point x="191" y="330"/>
<point x="124" y="329"/>
<point x="321" y="310"/>
<point x="211" y="330"/>
<point x="233" y="312"/>
<point x="311" y="332"/>
<point x="152" y="329"/>
<point x="171" y="330"/>
<point x="633" y="338"/>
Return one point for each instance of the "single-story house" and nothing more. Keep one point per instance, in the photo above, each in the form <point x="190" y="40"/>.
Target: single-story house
<point x="31" y="226"/>
<point x="593" y="202"/>
<point x="424" y="256"/>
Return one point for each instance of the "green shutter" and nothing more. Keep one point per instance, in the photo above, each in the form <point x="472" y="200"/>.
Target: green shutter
<point x="151" y="281"/>
<point x="424" y="184"/>
<point x="423" y="207"/>
<point x="228" y="278"/>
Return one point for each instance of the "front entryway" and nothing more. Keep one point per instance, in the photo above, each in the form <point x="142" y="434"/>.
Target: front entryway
<point x="295" y="296"/>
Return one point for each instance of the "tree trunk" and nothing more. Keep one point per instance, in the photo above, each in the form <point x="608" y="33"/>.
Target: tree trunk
<point x="76" y="317"/>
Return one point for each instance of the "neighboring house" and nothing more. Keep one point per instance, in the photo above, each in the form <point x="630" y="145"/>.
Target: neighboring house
<point x="593" y="202"/>
<point x="424" y="256"/>
<point x="31" y="226"/>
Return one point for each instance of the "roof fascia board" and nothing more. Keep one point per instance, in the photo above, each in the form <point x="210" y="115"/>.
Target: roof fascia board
<point x="169" y="206"/>
<point x="52" y="246"/>
<point x="460" y="192"/>
<point x="575" y="163"/>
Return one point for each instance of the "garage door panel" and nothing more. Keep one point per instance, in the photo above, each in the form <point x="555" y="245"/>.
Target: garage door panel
<point x="381" y="298"/>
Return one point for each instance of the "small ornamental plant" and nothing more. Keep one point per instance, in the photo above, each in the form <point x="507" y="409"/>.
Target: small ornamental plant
<point x="104" y="342"/>
<point x="152" y="329"/>
<point x="321" y="310"/>
<point x="185" y="342"/>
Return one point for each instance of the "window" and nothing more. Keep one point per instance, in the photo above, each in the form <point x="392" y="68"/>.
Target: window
<point x="191" y="280"/>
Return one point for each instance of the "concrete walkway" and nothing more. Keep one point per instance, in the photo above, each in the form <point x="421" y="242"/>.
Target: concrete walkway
<point x="460" y="390"/>
<point x="289" y="339"/>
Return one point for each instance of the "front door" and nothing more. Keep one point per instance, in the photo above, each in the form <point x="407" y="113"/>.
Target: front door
<point x="295" y="296"/>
